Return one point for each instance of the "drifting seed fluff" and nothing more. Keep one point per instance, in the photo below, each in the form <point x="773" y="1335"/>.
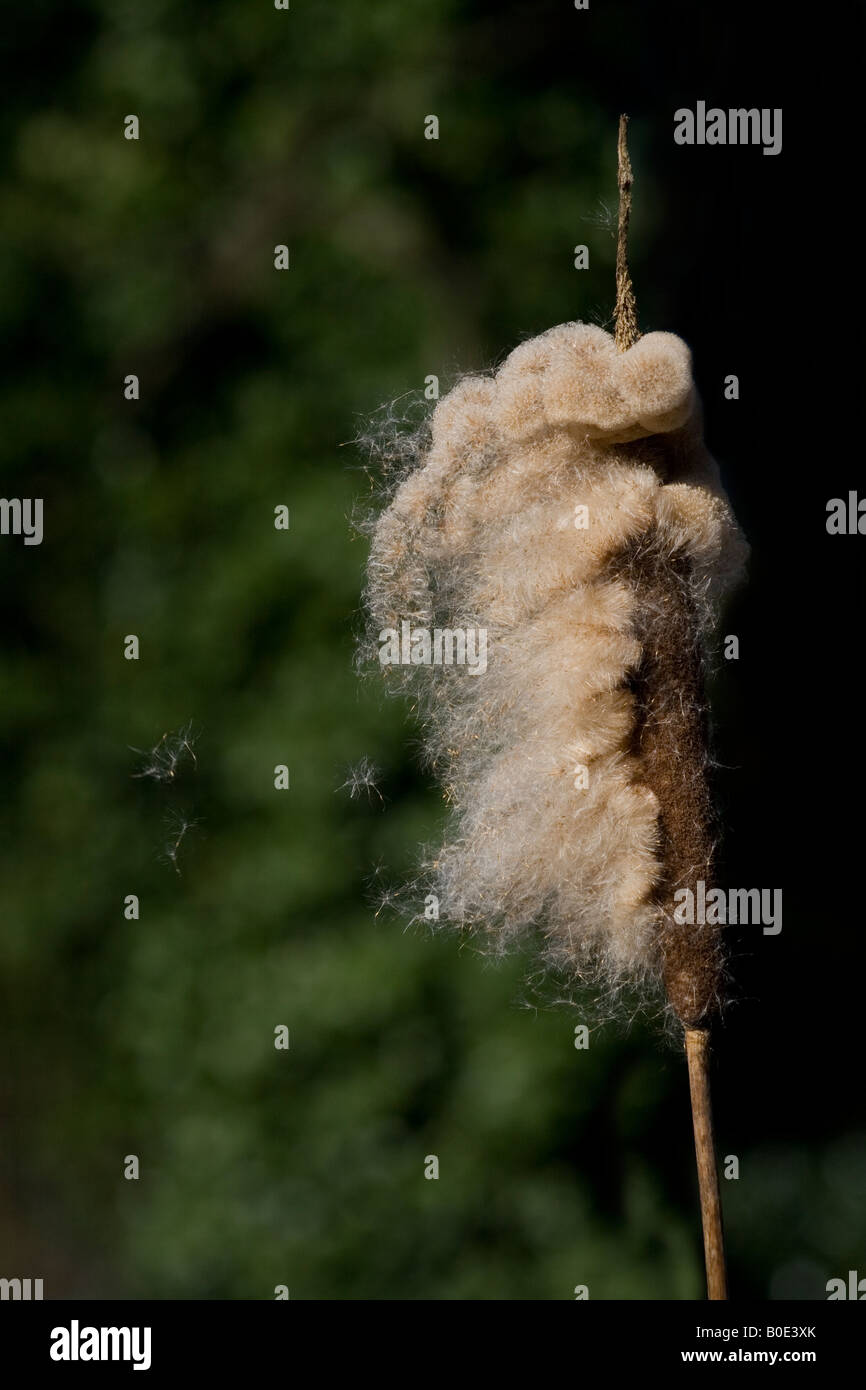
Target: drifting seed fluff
<point x="362" y="780"/>
<point x="162" y="761"/>
<point x="177" y="826"/>
<point x="568" y="506"/>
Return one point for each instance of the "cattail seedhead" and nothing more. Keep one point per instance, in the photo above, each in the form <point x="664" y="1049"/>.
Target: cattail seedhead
<point x="567" y="507"/>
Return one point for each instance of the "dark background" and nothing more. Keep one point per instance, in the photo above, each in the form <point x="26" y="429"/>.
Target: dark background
<point x="408" y="257"/>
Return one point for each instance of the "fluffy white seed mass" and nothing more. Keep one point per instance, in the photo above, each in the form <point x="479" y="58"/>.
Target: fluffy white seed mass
<point x="522" y="515"/>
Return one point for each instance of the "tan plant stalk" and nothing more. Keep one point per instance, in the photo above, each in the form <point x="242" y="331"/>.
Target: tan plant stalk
<point x="669" y="749"/>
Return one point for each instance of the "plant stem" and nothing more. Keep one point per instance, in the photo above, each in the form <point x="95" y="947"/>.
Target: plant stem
<point x="626" y="332"/>
<point x="698" y="1056"/>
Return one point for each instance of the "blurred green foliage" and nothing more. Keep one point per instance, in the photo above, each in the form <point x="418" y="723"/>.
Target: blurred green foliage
<point x="155" y="1037"/>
